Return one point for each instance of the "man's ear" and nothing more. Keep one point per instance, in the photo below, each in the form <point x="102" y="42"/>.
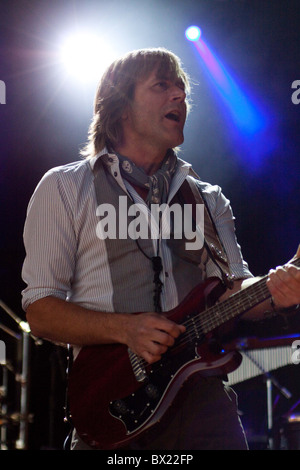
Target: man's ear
<point x="125" y="114"/>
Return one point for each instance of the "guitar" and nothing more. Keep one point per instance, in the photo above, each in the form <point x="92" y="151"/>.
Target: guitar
<point x="114" y="395"/>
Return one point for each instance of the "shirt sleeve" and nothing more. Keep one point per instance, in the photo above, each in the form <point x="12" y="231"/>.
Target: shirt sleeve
<point x="221" y="211"/>
<point x="50" y="242"/>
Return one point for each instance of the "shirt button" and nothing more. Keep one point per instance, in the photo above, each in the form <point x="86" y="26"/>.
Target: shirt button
<point x="115" y="174"/>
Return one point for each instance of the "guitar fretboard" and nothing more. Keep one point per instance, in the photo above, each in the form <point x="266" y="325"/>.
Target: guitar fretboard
<point x="206" y="321"/>
<point x="236" y="305"/>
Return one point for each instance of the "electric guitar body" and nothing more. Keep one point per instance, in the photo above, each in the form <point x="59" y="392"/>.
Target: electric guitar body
<point x="114" y="396"/>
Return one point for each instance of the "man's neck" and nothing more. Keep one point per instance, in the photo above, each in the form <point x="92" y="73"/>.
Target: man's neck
<point x="148" y="159"/>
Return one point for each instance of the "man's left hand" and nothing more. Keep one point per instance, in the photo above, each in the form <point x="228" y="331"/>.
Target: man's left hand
<point x="284" y="285"/>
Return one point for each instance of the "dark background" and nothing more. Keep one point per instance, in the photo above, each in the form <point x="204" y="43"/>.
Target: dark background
<point x="46" y="116"/>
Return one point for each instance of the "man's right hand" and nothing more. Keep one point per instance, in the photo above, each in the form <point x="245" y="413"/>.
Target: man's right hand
<point x="149" y="335"/>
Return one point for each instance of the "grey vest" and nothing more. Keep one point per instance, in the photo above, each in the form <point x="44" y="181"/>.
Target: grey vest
<point x="130" y="260"/>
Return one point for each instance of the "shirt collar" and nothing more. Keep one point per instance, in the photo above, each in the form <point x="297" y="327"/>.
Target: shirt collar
<point x="185" y="166"/>
<point x="101" y="154"/>
<point x="182" y="171"/>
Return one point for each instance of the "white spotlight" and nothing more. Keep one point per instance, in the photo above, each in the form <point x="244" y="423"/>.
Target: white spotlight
<point x="193" y="33"/>
<point x="86" y="56"/>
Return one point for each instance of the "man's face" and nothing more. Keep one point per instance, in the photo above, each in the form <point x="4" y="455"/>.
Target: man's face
<point x="158" y="113"/>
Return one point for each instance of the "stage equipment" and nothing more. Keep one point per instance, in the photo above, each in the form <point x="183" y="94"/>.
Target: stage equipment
<point x="22" y="416"/>
<point x="260" y="357"/>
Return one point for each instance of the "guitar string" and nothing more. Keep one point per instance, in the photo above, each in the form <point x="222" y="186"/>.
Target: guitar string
<point x="193" y="332"/>
<point x="209" y="324"/>
<point x="228" y="309"/>
<point x="253" y="295"/>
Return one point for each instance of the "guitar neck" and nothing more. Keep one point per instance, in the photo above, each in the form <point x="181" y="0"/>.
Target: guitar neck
<point x="206" y="321"/>
<point x="237" y="304"/>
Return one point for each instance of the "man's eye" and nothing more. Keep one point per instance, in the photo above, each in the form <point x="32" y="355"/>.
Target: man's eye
<point x="163" y="85"/>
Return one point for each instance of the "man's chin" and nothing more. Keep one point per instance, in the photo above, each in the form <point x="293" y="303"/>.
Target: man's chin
<point x="179" y="141"/>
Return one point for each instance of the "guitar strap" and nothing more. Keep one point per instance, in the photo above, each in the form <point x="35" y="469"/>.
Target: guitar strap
<point x="191" y="193"/>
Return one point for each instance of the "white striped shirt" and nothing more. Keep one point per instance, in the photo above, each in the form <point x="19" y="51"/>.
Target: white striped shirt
<point x="66" y="259"/>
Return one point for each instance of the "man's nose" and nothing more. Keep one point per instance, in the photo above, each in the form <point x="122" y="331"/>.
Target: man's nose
<point x="178" y="93"/>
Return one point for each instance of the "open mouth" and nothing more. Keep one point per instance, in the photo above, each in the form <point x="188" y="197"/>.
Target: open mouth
<point x="172" y="116"/>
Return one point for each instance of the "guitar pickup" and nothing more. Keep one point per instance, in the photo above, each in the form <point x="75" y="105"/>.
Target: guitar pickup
<point x="137" y="365"/>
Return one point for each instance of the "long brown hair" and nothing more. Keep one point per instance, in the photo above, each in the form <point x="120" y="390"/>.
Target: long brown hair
<point x="116" y="90"/>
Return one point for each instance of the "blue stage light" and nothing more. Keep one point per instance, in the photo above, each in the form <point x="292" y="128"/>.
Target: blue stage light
<point x="250" y="122"/>
<point x="244" y="114"/>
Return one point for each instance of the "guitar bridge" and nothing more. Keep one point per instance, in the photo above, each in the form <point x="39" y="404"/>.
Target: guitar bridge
<point x="137" y="366"/>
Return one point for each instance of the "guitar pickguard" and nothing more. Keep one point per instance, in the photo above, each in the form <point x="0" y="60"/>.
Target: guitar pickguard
<point x="137" y="408"/>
